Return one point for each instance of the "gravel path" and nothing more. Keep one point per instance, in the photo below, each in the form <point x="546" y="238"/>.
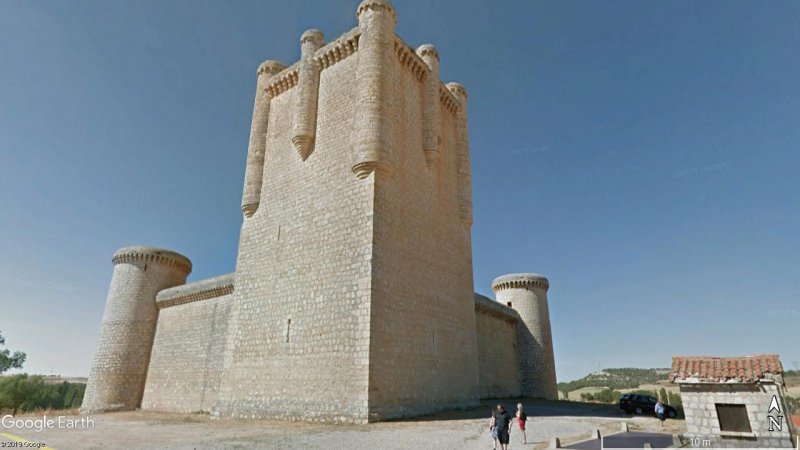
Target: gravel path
<point x="461" y="430"/>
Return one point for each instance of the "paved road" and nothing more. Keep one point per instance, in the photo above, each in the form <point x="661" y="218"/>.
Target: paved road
<point x="627" y="440"/>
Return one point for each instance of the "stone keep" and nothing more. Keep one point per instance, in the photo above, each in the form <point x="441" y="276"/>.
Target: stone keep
<point x="352" y="299"/>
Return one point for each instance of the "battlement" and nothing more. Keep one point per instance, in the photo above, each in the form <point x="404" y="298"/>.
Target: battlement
<point x="154" y="255"/>
<point x="520" y="280"/>
<point x="493" y="308"/>
<point x="382" y="6"/>
<point x="196" y="291"/>
<point x="345" y="46"/>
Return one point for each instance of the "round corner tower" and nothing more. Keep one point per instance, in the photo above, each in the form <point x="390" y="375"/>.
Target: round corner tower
<point x="527" y="294"/>
<point x="117" y="377"/>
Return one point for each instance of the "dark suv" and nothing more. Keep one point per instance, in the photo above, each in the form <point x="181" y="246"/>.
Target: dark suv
<point x="643" y="404"/>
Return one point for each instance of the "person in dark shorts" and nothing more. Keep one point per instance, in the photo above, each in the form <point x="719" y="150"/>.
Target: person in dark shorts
<point x="502" y="422"/>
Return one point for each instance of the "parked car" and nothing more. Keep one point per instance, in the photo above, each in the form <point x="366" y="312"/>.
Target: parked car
<point x="644" y="404"/>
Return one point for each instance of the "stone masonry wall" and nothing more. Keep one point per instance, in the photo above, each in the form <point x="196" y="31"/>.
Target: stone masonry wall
<point x="701" y="415"/>
<point x="497" y="349"/>
<point x="423" y="347"/>
<point x="186" y="363"/>
<point x="299" y="341"/>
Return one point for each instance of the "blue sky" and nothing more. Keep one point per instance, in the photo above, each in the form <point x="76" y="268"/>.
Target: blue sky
<point x="642" y="155"/>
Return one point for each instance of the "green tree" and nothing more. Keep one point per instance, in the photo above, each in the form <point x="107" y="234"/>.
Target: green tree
<point x="662" y="395"/>
<point x="9" y="360"/>
<point x="607" y="396"/>
<point x="21" y="392"/>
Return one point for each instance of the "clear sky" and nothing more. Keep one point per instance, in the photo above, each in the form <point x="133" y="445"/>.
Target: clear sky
<point x="642" y="155"/>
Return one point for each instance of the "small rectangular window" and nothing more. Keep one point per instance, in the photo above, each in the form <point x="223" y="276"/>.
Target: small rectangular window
<point x="733" y="418"/>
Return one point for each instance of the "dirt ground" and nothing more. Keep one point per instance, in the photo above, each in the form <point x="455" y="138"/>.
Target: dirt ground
<point x="462" y="430"/>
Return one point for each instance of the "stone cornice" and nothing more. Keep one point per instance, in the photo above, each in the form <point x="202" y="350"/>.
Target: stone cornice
<point x="344" y="46"/>
<point x="196" y="291"/>
<point x="283" y="81"/>
<point x="409" y="59"/>
<point x="152" y="254"/>
<point x="488" y="306"/>
<point x="520" y="281"/>
<point x="448" y="99"/>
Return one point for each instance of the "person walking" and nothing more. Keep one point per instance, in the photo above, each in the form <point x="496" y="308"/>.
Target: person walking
<point x="522" y="418"/>
<point x="502" y="422"/>
<point x="660" y="412"/>
<point x="493" y="430"/>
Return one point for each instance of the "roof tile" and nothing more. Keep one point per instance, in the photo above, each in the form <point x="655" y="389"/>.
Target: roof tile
<point x="715" y="369"/>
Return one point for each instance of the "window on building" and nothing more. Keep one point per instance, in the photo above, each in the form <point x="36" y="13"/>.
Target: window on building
<point x="733" y="418"/>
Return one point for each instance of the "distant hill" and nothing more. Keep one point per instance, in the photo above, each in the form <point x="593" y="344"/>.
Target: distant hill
<point x="52" y="379"/>
<point x="626" y="378"/>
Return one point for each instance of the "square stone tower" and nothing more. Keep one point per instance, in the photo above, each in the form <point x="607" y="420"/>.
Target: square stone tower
<point x="354" y="292"/>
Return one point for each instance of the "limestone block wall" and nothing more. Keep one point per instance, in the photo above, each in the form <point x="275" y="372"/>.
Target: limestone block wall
<point x="117" y="376"/>
<point x="496" y="328"/>
<point x="188" y="349"/>
<point x="423" y="349"/>
<point x="298" y="346"/>
<point x="701" y="414"/>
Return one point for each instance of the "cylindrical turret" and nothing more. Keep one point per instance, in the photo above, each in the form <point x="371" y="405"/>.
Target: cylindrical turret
<point x="430" y="126"/>
<point x="251" y="196"/>
<point x="116" y="380"/>
<point x="376" y="20"/>
<point x="305" y="117"/>
<point x="527" y="293"/>
<point x="462" y="151"/>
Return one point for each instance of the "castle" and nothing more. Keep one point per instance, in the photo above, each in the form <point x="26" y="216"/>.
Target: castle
<point x="352" y="299"/>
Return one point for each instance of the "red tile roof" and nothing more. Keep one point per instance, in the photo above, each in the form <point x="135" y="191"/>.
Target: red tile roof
<point x="714" y="369"/>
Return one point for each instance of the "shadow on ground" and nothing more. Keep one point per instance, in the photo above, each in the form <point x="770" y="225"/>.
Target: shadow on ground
<point x="532" y="407"/>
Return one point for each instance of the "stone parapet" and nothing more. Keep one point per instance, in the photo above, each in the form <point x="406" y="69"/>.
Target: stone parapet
<point x="156" y="255"/>
<point x="196" y="291"/>
<point x="488" y="306"/>
<point x="520" y="280"/>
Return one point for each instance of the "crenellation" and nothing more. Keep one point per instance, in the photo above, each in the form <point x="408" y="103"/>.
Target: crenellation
<point x="345" y="46"/>
<point x="449" y="100"/>
<point x="141" y="254"/>
<point x="196" y="291"/>
<point x="410" y="60"/>
<point x="283" y="81"/>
